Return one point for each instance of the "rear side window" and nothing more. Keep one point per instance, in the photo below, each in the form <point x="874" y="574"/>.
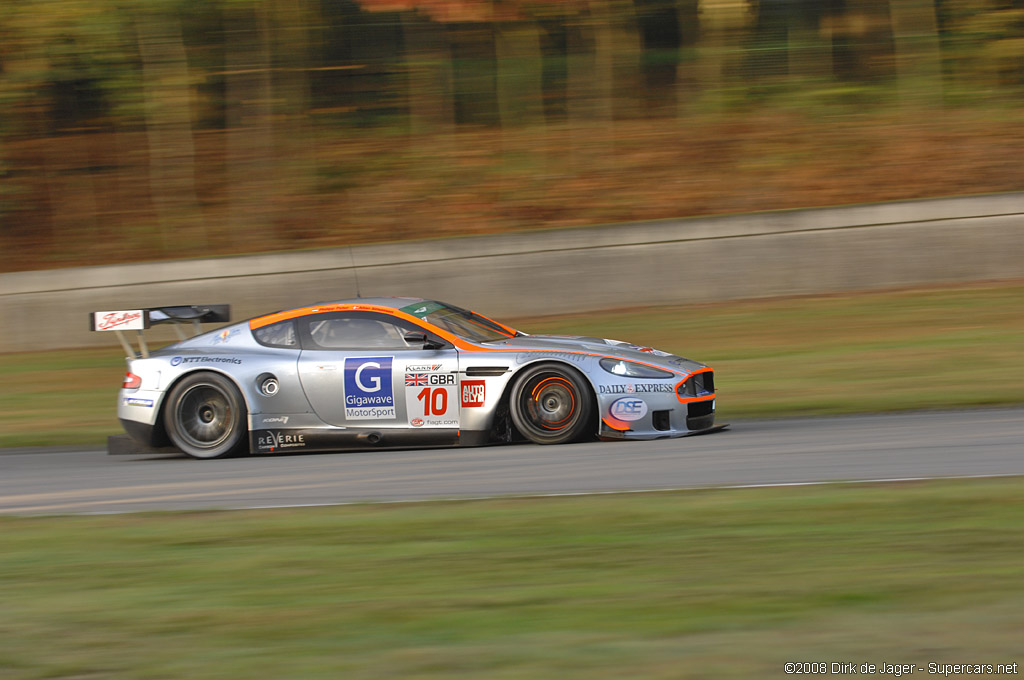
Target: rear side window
<point x="280" y="334"/>
<point x="355" y="332"/>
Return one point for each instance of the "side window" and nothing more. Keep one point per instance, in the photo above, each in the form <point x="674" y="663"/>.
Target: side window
<point x="352" y="332"/>
<point x="280" y="334"/>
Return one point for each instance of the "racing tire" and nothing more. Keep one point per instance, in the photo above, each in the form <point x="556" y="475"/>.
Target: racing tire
<point x="551" y="404"/>
<point x="205" y="416"/>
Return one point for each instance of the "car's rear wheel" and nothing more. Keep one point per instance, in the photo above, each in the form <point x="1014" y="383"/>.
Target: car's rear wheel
<point x="205" y="416"/>
<point x="551" y="404"/>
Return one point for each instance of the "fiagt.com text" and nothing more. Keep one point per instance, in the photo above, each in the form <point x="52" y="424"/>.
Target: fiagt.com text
<point x="898" y="669"/>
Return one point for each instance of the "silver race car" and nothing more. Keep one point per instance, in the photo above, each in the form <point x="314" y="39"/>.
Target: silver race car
<point x="390" y="372"/>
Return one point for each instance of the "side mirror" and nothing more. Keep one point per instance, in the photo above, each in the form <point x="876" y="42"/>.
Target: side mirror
<point x="415" y="338"/>
<point x="418" y="338"/>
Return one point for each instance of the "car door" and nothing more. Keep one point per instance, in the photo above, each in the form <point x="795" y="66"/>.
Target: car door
<point x="358" y="371"/>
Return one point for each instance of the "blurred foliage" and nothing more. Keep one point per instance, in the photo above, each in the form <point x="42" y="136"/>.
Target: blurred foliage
<point x="174" y="128"/>
<point x="986" y="39"/>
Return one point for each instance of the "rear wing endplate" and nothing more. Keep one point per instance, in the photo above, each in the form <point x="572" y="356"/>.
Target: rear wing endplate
<point x="139" y="320"/>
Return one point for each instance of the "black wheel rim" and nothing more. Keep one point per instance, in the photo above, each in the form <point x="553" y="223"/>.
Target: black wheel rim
<point x="205" y="416"/>
<point x="550" y="404"/>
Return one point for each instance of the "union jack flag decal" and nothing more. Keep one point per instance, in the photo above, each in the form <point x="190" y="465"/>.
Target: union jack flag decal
<point x="415" y="379"/>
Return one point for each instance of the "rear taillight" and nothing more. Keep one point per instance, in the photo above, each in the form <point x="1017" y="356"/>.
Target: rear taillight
<point x="131" y="382"/>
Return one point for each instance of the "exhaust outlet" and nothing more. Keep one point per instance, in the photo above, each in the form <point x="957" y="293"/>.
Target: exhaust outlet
<point x="370" y="437"/>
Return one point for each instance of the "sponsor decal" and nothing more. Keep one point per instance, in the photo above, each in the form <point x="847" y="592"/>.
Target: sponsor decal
<point x="375" y="413"/>
<point x="368" y="390"/>
<point x="423" y="368"/>
<point x="473" y="393"/>
<point x="642" y="388"/>
<point x="135" y="401"/>
<point x="132" y="320"/>
<point x="420" y="309"/>
<point x="414" y="379"/>
<point x="268" y="441"/>
<point x="276" y="419"/>
<point x="177" y="361"/>
<point x="638" y="348"/>
<point x="650" y="350"/>
<point x="628" y="409"/>
<point x="435" y="403"/>
<point x="226" y="335"/>
<point x="431" y="395"/>
<point x="637" y="388"/>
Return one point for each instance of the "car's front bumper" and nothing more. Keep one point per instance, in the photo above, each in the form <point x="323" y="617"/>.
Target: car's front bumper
<point x="656" y="417"/>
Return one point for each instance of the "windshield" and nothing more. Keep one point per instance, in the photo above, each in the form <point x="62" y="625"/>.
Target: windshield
<point x="461" y="322"/>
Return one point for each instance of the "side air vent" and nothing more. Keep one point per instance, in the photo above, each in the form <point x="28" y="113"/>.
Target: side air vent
<point x="662" y="420"/>
<point x="486" y="371"/>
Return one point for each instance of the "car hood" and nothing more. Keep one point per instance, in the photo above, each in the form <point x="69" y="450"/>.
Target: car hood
<point x="602" y="346"/>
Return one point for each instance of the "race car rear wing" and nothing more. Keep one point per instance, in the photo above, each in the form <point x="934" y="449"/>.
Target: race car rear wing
<point x="139" y="320"/>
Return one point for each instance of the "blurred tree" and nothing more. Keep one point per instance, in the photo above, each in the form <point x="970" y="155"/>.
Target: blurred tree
<point x="250" y="162"/>
<point x="791" y="39"/>
<point x="984" y="42"/>
<point x="918" y="59"/>
<point x="723" y="24"/>
<point x="669" y="31"/>
<point x="428" y="60"/>
<point x="864" y="35"/>
<point x="65" y="67"/>
<point x="590" y="64"/>
<point x="520" y="69"/>
<point x="168" y="87"/>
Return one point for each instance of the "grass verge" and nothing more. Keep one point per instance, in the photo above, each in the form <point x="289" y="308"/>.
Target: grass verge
<point x="934" y="348"/>
<point x="676" y="585"/>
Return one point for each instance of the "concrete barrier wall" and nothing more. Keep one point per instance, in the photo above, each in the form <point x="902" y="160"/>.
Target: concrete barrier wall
<point x="531" y="273"/>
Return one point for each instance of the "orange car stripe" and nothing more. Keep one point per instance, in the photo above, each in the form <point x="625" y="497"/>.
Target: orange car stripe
<point x="262" y="321"/>
<point x="616" y="424"/>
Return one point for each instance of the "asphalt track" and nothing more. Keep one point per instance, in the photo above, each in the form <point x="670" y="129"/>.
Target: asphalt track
<point x="970" y="443"/>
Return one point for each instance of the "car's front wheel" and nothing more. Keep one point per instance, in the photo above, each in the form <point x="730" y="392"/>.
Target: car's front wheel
<point x="551" y="404"/>
<point x="205" y="416"/>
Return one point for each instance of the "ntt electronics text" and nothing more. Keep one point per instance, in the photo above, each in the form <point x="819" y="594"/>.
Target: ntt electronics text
<point x="899" y="669"/>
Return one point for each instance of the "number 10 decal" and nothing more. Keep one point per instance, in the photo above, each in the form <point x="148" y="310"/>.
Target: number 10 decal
<point x="431" y="393"/>
<point x="435" y="401"/>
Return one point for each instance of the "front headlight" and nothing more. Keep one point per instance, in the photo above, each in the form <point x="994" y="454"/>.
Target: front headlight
<point x="631" y="369"/>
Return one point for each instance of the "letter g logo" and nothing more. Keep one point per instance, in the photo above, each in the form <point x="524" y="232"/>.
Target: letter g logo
<point x="374" y="381"/>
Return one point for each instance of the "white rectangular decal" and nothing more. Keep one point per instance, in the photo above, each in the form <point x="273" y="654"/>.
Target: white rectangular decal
<point x="431" y="395"/>
<point x="122" y="320"/>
